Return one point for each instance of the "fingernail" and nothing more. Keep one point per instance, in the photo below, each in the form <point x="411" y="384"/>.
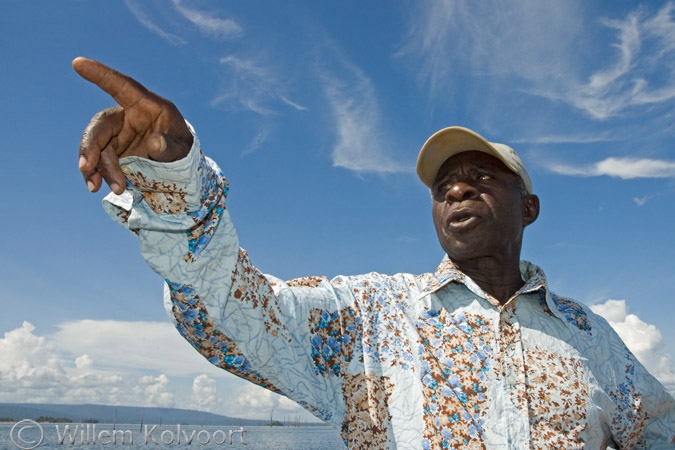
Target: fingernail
<point x="82" y="162"/>
<point x="115" y="187"/>
<point x="90" y="185"/>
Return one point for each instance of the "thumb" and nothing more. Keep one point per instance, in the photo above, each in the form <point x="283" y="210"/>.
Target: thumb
<point x="167" y="148"/>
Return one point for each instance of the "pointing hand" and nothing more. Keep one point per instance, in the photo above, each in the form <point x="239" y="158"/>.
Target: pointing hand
<point x="144" y="124"/>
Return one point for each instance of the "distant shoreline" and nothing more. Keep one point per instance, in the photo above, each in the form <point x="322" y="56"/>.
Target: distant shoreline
<point x="132" y="415"/>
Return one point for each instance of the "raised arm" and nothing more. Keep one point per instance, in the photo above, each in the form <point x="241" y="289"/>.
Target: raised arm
<point x="172" y="197"/>
<point x="144" y="124"/>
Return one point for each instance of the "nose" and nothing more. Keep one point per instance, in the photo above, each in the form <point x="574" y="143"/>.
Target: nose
<point x="459" y="191"/>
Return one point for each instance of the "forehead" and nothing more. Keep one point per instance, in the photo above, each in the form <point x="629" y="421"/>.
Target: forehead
<point x="471" y="159"/>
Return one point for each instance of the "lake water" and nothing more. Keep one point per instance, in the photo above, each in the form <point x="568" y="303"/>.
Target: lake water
<point x="106" y="436"/>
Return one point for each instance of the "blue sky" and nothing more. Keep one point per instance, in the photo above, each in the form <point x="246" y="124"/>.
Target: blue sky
<point x="316" y="112"/>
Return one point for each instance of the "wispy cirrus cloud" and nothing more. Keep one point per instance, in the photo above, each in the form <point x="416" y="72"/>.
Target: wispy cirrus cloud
<point x="625" y="168"/>
<point x="256" y="143"/>
<point x="491" y="39"/>
<point x="570" y="138"/>
<point x="149" y="14"/>
<point x="642" y="72"/>
<point x="292" y="104"/>
<point x="208" y="23"/>
<point x="253" y="85"/>
<point x="641" y="201"/>
<point x="145" y="20"/>
<point x="451" y="38"/>
<point x="362" y="143"/>
<point x="254" y="82"/>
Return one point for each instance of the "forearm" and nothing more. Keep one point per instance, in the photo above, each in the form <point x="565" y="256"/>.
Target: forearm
<point x="217" y="299"/>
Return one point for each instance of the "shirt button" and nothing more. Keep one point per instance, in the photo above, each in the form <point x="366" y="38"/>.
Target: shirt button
<point x="126" y="170"/>
<point x="511" y="380"/>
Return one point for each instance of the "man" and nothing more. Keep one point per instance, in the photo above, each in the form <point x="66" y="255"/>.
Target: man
<point x="479" y="354"/>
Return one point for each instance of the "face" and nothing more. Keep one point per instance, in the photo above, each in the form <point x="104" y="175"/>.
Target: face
<point x="479" y="209"/>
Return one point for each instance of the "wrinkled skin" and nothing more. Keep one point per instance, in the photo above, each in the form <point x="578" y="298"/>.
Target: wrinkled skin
<point x="480" y="213"/>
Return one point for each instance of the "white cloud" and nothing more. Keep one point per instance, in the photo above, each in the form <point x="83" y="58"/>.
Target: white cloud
<point x="363" y="145"/>
<point x="83" y="362"/>
<point x="624" y="168"/>
<point x="292" y="104"/>
<point x="152" y="346"/>
<point x="207" y="23"/>
<point x="256" y="143"/>
<point x="26" y="358"/>
<point x="32" y="369"/>
<point x="125" y="363"/>
<point x="643" y="339"/>
<point x="570" y="139"/>
<point x="253" y="85"/>
<point x="511" y="40"/>
<point x="263" y="401"/>
<point x="143" y="19"/>
<point x="451" y="37"/>
<point x="213" y="26"/>
<point x="153" y="391"/>
<point x="640" y="74"/>
<point x="204" y="392"/>
<point x="640" y="201"/>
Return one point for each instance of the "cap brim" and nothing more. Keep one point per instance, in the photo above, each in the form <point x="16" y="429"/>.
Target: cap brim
<point x="446" y="143"/>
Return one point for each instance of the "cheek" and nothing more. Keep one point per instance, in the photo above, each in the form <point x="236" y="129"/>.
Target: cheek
<point x="508" y="217"/>
<point x="437" y="214"/>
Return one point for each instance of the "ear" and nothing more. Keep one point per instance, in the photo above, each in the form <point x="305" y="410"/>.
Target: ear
<point x="530" y="209"/>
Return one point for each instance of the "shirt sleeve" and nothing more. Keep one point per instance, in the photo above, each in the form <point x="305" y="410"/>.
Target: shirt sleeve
<point x="643" y="411"/>
<point x="252" y="325"/>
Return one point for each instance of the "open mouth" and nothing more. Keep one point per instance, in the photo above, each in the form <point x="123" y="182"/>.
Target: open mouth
<point x="462" y="218"/>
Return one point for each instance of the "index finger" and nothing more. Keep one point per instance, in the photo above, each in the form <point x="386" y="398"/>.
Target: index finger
<point x="123" y="89"/>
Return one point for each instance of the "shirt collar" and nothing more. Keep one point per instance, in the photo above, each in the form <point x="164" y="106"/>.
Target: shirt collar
<point x="447" y="272"/>
<point x="535" y="281"/>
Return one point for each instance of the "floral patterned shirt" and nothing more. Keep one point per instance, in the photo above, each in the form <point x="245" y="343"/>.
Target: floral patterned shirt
<point x="405" y="361"/>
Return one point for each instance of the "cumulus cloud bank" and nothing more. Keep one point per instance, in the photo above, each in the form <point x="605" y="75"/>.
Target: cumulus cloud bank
<point x="643" y="339"/>
<point x="124" y="363"/>
<point x="33" y="370"/>
<point x="36" y="369"/>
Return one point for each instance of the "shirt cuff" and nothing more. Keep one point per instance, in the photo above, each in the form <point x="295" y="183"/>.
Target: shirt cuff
<point x="167" y="195"/>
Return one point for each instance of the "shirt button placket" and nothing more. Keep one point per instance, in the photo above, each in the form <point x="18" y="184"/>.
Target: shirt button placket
<point x="511" y="352"/>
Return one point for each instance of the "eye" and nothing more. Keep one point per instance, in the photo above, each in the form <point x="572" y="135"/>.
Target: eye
<point x="439" y="190"/>
<point x="484" y="176"/>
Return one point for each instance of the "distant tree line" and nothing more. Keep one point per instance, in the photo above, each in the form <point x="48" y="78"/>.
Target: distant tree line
<point x="50" y="419"/>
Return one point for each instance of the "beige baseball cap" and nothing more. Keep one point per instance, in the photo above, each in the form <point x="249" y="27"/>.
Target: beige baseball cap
<point x="450" y="141"/>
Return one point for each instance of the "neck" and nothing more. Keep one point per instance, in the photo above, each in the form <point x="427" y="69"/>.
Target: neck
<point x="500" y="279"/>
